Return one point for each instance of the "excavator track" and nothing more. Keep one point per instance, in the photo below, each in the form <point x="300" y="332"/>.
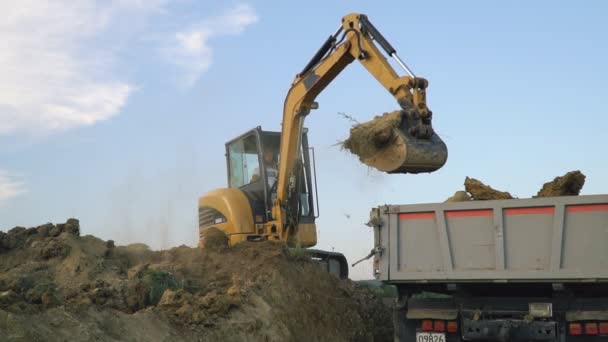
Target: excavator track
<point x="332" y="262"/>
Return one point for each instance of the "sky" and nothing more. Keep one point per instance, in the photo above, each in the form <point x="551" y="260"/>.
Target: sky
<point x="116" y="112"/>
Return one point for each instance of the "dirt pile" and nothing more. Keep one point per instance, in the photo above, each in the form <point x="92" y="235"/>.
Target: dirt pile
<point x="569" y="184"/>
<point x="56" y="285"/>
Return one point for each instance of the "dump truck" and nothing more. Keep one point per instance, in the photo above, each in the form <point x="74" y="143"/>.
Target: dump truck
<point x="499" y="270"/>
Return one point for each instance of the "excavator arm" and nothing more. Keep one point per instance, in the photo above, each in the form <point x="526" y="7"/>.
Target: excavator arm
<point x="354" y="40"/>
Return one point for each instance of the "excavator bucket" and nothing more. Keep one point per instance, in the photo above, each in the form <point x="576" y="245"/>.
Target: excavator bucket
<point x="392" y="143"/>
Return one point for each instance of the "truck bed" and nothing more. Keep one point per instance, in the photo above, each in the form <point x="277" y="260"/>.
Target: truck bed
<point x="557" y="239"/>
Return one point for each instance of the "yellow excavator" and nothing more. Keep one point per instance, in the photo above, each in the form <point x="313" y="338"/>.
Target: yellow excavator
<point x="271" y="192"/>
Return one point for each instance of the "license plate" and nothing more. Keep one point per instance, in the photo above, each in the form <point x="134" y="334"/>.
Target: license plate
<point x="430" y="337"/>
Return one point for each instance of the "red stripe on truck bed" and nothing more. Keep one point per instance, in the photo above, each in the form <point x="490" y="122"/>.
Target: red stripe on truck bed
<point x="529" y="211"/>
<point x="417" y="216"/>
<point x="468" y="213"/>
<point x="587" y="207"/>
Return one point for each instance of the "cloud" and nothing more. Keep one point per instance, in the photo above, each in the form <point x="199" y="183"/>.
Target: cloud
<point x="54" y="76"/>
<point x="190" y="49"/>
<point x="58" y="58"/>
<point x="9" y="186"/>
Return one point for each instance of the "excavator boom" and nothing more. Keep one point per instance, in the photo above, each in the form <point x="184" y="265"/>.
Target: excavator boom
<point x="354" y="40"/>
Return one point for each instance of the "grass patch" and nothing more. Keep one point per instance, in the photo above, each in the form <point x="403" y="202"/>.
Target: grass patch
<point x="298" y="253"/>
<point x="157" y="282"/>
<point x="379" y="289"/>
<point x="430" y="295"/>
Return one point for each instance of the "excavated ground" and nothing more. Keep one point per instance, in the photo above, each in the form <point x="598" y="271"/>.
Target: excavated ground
<point x="56" y="285"/>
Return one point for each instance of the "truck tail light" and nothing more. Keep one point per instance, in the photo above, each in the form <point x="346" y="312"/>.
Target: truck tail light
<point x="591" y="328"/>
<point x="452" y="326"/>
<point x="575" y="329"/>
<point x="439" y="326"/>
<point x="427" y="325"/>
<point x="604" y="328"/>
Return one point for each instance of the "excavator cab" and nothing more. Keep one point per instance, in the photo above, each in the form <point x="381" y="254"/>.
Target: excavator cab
<point x="245" y="211"/>
<point x="252" y="164"/>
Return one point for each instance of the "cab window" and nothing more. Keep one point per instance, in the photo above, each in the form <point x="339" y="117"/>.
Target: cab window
<point x="244" y="162"/>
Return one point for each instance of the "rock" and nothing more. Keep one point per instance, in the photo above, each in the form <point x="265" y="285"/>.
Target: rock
<point x="44" y="230"/>
<point x="16" y="230"/>
<point x="54" y="249"/>
<point x="14" y="238"/>
<point x="56" y="231"/>
<point x="109" y="248"/>
<point x="72" y="226"/>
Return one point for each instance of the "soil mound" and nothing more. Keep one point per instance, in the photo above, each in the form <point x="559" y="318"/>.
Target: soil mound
<point x="56" y="285"/>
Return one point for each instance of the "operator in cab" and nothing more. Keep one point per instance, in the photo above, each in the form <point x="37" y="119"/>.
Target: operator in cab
<point x="270" y="164"/>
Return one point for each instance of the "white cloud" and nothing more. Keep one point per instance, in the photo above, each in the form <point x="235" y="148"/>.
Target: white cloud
<point x="9" y="186"/>
<point x="190" y="49"/>
<point x="57" y="61"/>
<point x="53" y="76"/>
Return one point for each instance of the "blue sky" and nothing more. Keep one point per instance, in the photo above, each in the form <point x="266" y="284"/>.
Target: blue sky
<point x="116" y="112"/>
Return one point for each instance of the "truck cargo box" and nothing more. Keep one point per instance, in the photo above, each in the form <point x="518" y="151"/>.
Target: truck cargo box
<point x="557" y="239"/>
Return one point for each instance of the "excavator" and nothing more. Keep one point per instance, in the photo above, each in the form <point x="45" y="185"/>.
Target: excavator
<point x="270" y="200"/>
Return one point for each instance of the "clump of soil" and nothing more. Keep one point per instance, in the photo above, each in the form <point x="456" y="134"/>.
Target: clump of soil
<point x="379" y="143"/>
<point x="368" y="138"/>
<point x="213" y="238"/>
<point x="569" y="184"/>
<point x="56" y="285"/>
<point x="388" y="144"/>
<point x="480" y="191"/>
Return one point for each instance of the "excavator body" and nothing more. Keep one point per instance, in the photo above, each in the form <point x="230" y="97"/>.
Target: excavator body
<point x="243" y="211"/>
<point x="271" y="192"/>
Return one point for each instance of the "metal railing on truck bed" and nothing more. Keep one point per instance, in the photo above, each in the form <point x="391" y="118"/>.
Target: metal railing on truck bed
<point x="556" y="239"/>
